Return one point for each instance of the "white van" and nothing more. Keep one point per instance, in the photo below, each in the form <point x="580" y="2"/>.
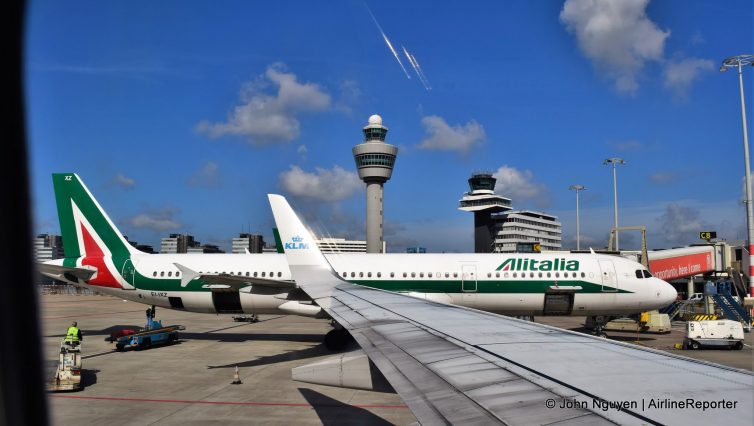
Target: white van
<point x="717" y="333"/>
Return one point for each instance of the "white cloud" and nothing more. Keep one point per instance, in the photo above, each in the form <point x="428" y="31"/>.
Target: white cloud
<point x="302" y="150"/>
<point x="207" y="176"/>
<point x="442" y="136"/>
<point x="680" y="74"/>
<point x="680" y="225"/>
<point x="617" y="36"/>
<point x="663" y="177"/>
<point x="263" y="117"/>
<point x="520" y="185"/>
<point x="123" y="181"/>
<point x="324" y="185"/>
<point x="156" y="220"/>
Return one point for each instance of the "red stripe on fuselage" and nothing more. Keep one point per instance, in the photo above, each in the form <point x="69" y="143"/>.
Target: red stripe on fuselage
<point x="95" y="257"/>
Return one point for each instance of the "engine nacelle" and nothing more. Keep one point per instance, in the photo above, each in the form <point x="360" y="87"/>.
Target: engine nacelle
<point x="351" y="370"/>
<point x="294" y="307"/>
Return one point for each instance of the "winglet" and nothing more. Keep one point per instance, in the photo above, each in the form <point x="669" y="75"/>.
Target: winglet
<point x="309" y="267"/>
<point x="187" y="274"/>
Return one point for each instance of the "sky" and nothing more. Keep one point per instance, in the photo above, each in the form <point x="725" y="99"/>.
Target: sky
<point x="181" y="116"/>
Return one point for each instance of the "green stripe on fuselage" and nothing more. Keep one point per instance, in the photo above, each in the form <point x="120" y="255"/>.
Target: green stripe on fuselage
<point x="428" y="286"/>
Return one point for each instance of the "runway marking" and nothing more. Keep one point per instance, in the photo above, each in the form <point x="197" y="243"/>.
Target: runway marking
<point x="186" y="401"/>
<point x="91" y="315"/>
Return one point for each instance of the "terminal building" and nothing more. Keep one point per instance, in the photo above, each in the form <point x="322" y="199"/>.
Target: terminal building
<point x="517" y="230"/>
<point x="254" y="243"/>
<point x="341" y="245"/>
<point x="48" y="247"/>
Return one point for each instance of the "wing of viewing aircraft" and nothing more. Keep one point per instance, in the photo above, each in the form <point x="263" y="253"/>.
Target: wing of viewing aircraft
<point x="461" y="366"/>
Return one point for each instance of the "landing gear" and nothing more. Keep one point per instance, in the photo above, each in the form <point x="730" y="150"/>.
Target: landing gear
<point x="337" y="339"/>
<point x="599" y="323"/>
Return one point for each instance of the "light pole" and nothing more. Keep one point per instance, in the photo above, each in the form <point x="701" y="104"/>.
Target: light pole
<point x="739" y="62"/>
<point x="615" y="161"/>
<point x="577" y="188"/>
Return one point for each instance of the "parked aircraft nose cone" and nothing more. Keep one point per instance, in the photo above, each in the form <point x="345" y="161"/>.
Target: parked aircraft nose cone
<point x="667" y="294"/>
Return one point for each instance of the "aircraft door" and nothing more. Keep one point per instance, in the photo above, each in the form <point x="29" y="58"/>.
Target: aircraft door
<point x="609" y="277"/>
<point x="128" y="272"/>
<point x="468" y="278"/>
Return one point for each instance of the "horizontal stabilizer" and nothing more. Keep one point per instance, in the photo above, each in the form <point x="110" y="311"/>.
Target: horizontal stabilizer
<point x="83" y="273"/>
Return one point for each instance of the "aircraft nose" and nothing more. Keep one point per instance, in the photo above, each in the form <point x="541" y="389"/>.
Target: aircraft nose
<point x="668" y="294"/>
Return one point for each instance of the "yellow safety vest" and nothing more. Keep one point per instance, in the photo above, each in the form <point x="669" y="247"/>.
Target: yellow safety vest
<point x="72" y="335"/>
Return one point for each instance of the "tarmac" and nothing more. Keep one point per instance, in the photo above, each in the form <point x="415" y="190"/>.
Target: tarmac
<point x="189" y="382"/>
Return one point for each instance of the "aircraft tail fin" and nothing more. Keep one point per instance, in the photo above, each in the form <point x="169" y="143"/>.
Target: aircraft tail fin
<point x="84" y="225"/>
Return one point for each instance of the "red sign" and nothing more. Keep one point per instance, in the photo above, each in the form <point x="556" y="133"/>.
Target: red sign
<point x="681" y="266"/>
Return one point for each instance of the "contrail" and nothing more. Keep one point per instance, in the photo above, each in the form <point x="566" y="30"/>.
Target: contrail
<point x="417" y="69"/>
<point x="387" y="41"/>
<point x="421" y="71"/>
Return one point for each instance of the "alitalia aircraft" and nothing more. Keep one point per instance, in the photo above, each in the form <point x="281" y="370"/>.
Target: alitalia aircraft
<point x="97" y="256"/>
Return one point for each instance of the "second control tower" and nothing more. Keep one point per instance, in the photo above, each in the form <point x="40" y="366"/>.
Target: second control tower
<point x="482" y="200"/>
<point x="374" y="160"/>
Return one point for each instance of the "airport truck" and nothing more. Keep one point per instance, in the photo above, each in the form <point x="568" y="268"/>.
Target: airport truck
<point x="714" y="334"/>
<point x="68" y="374"/>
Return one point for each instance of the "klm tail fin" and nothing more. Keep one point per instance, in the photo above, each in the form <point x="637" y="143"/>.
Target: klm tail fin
<point x="83" y="223"/>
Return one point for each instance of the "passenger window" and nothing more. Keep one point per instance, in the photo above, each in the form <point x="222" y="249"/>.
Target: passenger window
<point x="177" y="274"/>
<point x="272" y="274"/>
<point x="583" y="275"/>
<point x="247" y="273"/>
<point x="515" y="275"/>
<point x="379" y="274"/>
<point x="262" y="274"/>
<point x="447" y="275"/>
<point x="255" y="274"/>
<point x="455" y="274"/>
<point x="548" y="275"/>
<point x="345" y="274"/>
<point x="489" y="274"/>
<point x="638" y="273"/>
<point x="154" y="274"/>
<point x="421" y="274"/>
<point x="413" y="275"/>
<point x="369" y="275"/>
<point x="497" y="274"/>
<point x="506" y="275"/>
<point x="392" y="274"/>
<point x="531" y="274"/>
<point x="540" y="275"/>
<point x="170" y="273"/>
<point x="647" y="274"/>
<point x="557" y="274"/>
<point x="353" y="274"/>
<point x="429" y="275"/>
<point x="361" y="275"/>
<point x="162" y="273"/>
<point x="565" y="275"/>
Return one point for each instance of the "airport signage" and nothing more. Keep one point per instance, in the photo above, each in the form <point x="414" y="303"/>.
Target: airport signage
<point x="708" y="235"/>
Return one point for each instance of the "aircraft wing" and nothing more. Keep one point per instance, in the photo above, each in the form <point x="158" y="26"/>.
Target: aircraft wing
<point x="232" y="281"/>
<point x="83" y="273"/>
<point x="462" y="366"/>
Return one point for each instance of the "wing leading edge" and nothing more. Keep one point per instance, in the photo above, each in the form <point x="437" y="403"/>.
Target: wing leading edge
<point x="458" y="365"/>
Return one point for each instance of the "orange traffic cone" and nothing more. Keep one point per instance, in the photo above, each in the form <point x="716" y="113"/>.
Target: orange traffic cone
<point x="236" y="379"/>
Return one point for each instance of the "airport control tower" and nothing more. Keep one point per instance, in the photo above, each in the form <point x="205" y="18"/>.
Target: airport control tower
<point x="481" y="200"/>
<point x="375" y="160"/>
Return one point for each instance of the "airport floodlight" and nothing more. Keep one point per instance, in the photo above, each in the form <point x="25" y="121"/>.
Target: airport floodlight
<point x="577" y="188"/>
<point x="614" y="161"/>
<point x="739" y="62"/>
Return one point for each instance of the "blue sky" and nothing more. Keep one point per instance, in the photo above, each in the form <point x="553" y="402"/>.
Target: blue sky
<point x="181" y="116"/>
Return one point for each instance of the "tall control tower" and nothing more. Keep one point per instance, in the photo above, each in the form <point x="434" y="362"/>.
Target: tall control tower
<point x="482" y="200"/>
<point x="375" y="160"/>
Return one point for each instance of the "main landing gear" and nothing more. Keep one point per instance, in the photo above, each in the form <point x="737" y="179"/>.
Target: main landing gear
<point x="599" y="323"/>
<point x="337" y="338"/>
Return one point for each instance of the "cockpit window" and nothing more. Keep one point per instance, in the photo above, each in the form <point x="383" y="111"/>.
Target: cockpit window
<point x="647" y="274"/>
<point x="638" y="274"/>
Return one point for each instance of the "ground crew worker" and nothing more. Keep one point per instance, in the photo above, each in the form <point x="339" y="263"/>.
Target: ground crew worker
<point x="73" y="336"/>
